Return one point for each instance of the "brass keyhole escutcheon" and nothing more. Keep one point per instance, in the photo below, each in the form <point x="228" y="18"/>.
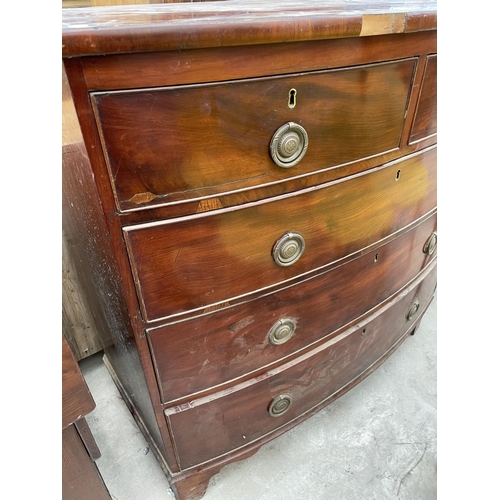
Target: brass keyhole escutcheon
<point x="431" y="244"/>
<point x="413" y="310"/>
<point x="280" y="405"/>
<point x="288" y="249"/>
<point x="292" y="98"/>
<point x="288" y="145"/>
<point x="281" y="331"/>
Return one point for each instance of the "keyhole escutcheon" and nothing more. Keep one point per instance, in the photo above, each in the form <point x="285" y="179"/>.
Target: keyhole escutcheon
<point x="292" y="98"/>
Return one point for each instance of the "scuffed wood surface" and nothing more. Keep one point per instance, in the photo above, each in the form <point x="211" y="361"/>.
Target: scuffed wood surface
<point x="78" y="325"/>
<point x="76" y="398"/>
<point x="138" y="28"/>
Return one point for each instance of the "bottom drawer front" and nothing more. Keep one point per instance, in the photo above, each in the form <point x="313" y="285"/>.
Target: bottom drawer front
<point x="212" y="426"/>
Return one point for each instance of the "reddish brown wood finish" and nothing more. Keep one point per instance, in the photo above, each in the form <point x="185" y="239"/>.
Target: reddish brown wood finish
<point x="80" y="477"/>
<point x="160" y="69"/>
<point x="76" y="398"/>
<point x="196" y="355"/>
<point x="425" y="123"/>
<point x="89" y="239"/>
<point x="193" y="263"/>
<point x="239" y="416"/>
<point x="208" y="234"/>
<point x="143" y="28"/>
<point x="166" y="145"/>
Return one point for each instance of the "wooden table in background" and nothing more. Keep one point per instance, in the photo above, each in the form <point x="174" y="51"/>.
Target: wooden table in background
<point x="80" y="477"/>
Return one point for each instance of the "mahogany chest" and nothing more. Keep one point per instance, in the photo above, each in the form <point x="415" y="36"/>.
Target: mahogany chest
<point x="254" y="204"/>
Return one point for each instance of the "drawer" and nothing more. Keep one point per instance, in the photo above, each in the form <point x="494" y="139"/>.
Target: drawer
<point x="191" y="263"/>
<point x="221" y="423"/>
<point x="195" y="355"/>
<point x="172" y="144"/>
<point x="425" y="122"/>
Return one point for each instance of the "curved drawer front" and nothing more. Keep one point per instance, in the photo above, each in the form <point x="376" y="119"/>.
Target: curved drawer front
<point x="195" y="355"/>
<point x="218" y="424"/>
<point x="425" y="122"/>
<point x="192" y="263"/>
<point x="180" y="143"/>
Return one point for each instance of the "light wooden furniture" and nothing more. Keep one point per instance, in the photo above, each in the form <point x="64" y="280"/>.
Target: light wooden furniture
<point x="257" y="210"/>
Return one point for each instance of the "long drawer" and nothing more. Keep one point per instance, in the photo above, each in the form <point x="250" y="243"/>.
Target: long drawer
<point x="180" y="143"/>
<point x="198" y="354"/>
<point x="217" y="424"/>
<point x="191" y="263"/>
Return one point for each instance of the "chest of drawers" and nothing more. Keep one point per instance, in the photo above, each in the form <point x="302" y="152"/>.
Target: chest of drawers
<point x="254" y="207"/>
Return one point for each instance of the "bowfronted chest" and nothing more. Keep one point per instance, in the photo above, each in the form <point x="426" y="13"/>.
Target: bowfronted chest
<point x="265" y="187"/>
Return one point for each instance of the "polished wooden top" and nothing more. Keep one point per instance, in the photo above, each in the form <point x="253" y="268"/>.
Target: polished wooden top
<point x="189" y="25"/>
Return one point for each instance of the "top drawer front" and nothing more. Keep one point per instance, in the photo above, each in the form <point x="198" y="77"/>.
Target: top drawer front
<point x="182" y="143"/>
<point x="195" y="262"/>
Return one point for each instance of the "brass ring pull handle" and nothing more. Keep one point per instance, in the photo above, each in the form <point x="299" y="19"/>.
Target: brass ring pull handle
<point x="281" y="331"/>
<point x="413" y="310"/>
<point x="431" y="244"/>
<point x="280" y="405"/>
<point x="288" y="249"/>
<point x="289" y="145"/>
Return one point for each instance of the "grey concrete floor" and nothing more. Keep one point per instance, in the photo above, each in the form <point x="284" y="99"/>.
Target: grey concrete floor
<point x="377" y="442"/>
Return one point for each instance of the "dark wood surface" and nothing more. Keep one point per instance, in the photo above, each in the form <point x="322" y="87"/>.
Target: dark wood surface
<point x="142" y="28"/>
<point x="174" y="264"/>
<point x="233" y="62"/>
<point x="195" y="355"/>
<point x="233" y="418"/>
<point x="192" y="263"/>
<point x="160" y="69"/>
<point x="100" y="269"/>
<point x="76" y="398"/>
<point x="425" y="123"/>
<point x="166" y="145"/>
<point x="80" y="477"/>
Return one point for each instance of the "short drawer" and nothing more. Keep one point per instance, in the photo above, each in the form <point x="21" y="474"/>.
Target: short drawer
<point x="218" y="424"/>
<point x="191" y="263"/>
<point x="168" y="145"/>
<point x="425" y="121"/>
<point x="195" y="355"/>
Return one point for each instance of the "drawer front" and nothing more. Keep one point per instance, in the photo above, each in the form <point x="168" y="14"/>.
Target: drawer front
<point x="195" y="262"/>
<point x="425" y="122"/>
<point x="215" y="425"/>
<point x="195" y="355"/>
<point x="186" y="142"/>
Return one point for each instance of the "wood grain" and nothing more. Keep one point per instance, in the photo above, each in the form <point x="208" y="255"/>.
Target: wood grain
<point x="76" y="398"/>
<point x="231" y="419"/>
<point x="160" y="69"/>
<point x="195" y="355"/>
<point x="79" y="326"/>
<point x="181" y="143"/>
<point x="92" y="248"/>
<point x="425" y="121"/>
<point x="81" y="479"/>
<point x="191" y="263"/>
<point x="142" y="28"/>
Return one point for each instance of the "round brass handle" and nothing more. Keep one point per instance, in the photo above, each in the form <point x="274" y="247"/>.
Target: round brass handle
<point x="413" y="310"/>
<point x="288" y="249"/>
<point x="280" y="405"/>
<point x="281" y="331"/>
<point x="431" y="244"/>
<point x="289" y="145"/>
